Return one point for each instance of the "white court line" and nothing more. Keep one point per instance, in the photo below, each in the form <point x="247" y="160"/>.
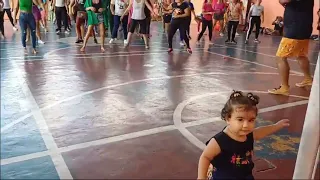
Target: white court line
<point x="46" y="135"/>
<point x="11" y="124"/>
<point x="177" y="114"/>
<point x="110" y="55"/>
<point x="82" y="54"/>
<point x="142" y="133"/>
<point x="296" y="72"/>
<point x="269" y="55"/>
<point x="88" y="57"/>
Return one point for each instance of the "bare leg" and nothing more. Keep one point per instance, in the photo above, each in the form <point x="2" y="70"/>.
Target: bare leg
<point x="305" y="67"/>
<point x="145" y="38"/>
<point x="221" y="26"/>
<point x="102" y="34"/>
<point x="284" y="70"/>
<point x="90" y="27"/>
<point x="129" y="39"/>
<point x="38" y="30"/>
<point x="82" y="31"/>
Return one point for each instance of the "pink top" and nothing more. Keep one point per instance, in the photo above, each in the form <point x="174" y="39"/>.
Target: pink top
<point x="219" y="8"/>
<point x="207" y="8"/>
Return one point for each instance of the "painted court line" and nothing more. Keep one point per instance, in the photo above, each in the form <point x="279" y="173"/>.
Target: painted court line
<point x="11" y="124"/>
<point x="81" y="55"/>
<point x="245" y="50"/>
<point x="88" y="57"/>
<point x="46" y="135"/>
<point x="142" y="133"/>
<point x="296" y="72"/>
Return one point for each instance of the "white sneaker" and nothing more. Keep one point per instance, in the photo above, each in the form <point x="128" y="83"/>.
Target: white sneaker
<point x="181" y="43"/>
<point x="237" y="34"/>
<point x="221" y="34"/>
<point x="126" y="44"/>
<point x="111" y="41"/>
<point x="15" y="29"/>
<point x="41" y="42"/>
<point x="317" y="39"/>
<point x="125" y="41"/>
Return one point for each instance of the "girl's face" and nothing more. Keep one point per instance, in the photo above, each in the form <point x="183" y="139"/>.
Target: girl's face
<point x="242" y="121"/>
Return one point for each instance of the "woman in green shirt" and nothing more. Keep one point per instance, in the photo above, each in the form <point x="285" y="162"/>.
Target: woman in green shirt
<point x="26" y="20"/>
<point x="96" y="16"/>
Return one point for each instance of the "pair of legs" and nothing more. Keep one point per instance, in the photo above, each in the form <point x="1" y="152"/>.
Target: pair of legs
<point x="44" y="14"/>
<point x="117" y="22"/>
<point x="292" y="48"/>
<point x="27" y="20"/>
<point x="80" y="20"/>
<point x="61" y="15"/>
<point x="232" y="30"/>
<point x="219" y="18"/>
<point x="37" y="17"/>
<point x="174" y="26"/>
<point x="89" y="31"/>
<point x="254" y="21"/>
<point x="205" y="24"/>
<point x="8" y="12"/>
<point x="143" y="30"/>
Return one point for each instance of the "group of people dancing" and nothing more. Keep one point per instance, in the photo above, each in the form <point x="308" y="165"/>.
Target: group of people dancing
<point x="93" y="16"/>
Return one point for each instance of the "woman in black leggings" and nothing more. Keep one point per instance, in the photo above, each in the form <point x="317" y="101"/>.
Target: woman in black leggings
<point x="179" y="21"/>
<point x="207" y="12"/>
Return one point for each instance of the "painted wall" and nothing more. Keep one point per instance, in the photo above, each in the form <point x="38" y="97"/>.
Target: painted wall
<point x="272" y="10"/>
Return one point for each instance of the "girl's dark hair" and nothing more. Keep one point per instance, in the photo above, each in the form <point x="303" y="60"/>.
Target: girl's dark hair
<point x="248" y="101"/>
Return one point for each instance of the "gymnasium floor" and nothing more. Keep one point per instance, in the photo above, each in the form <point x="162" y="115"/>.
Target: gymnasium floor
<point x="137" y="113"/>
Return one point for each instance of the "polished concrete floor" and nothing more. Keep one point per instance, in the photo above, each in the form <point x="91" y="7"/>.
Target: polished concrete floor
<point x="137" y="113"/>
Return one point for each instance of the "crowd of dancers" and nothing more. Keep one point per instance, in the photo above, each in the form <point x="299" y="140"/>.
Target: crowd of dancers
<point x="93" y="17"/>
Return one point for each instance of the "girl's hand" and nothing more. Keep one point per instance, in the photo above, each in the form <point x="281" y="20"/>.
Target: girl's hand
<point x="121" y="18"/>
<point x="93" y="9"/>
<point x="283" y="123"/>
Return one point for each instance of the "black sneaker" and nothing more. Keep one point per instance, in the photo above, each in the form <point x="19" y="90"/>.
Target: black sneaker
<point x="227" y="41"/>
<point x="58" y="31"/>
<point x="79" y="41"/>
<point x="233" y="42"/>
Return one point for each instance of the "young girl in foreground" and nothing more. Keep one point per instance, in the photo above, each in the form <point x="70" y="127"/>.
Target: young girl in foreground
<point x="231" y="150"/>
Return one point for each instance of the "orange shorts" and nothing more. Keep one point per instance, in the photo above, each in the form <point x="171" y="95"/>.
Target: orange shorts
<point x="293" y="48"/>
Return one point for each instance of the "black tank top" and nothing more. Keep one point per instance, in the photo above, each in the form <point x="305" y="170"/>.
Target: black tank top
<point x="235" y="159"/>
<point x="97" y="6"/>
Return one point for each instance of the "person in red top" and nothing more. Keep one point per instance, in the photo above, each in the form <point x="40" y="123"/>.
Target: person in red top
<point x="207" y="13"/>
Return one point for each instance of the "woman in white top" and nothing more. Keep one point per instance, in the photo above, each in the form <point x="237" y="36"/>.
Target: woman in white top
<point x="7" y="9"/>
<point x="118" y="8"/>
<point x="138" y="18"/>
<point x="256" y="17"/>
